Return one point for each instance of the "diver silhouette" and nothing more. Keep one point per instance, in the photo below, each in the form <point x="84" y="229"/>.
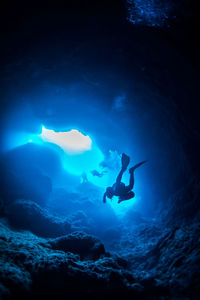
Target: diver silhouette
<point x="98" y="174"/>
<point x="84" y="178"/>
<point x="119" y="188"/>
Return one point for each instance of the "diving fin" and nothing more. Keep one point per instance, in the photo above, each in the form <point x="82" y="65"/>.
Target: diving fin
<point x="137" y="166"/>
<point x="125" y="161"/>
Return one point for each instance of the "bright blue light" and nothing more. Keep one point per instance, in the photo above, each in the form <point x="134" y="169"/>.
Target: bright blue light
<point x="122" y="208"/>
<point x="16" y="139"/>
<point x="72" y="142"/>
<point x="79" y="153"/>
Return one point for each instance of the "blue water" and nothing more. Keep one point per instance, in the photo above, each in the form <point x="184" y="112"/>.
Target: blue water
<point x="79" y="155"/>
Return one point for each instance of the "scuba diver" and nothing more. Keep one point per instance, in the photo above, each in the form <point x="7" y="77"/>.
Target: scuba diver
<point x="84" y="178"/>
<point x="98" y="174"/>
<point x="119" y="188"/>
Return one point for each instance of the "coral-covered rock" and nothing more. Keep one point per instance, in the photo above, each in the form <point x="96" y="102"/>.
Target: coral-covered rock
<point x="31" y="269"/>
<point x="164" y="259"/>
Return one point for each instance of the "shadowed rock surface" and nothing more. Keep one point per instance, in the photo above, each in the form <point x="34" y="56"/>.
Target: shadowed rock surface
<point x="23" y="214"/>
<point x="155" y="262"/>
<point x="80" y="243"/>
<point x="29" y="267"/>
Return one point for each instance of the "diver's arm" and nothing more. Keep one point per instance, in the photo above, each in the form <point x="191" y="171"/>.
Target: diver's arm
<point x="104" y="198"/>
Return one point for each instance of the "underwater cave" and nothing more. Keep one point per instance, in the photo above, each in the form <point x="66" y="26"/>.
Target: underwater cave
<point x="89" y="90"/>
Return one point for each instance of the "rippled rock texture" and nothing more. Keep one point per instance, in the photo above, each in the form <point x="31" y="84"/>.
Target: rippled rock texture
<point x="32" y="267"/>
<point x="150" y="261"/>
<point x="154" y="13"/>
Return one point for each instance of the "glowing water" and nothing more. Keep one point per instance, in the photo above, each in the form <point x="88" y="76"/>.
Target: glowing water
<point x="122" y="208"/>
<point x="79" y="154"/>
<point x="72" y="142"/>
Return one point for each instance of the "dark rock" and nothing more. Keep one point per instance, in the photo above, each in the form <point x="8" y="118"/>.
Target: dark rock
<point x="164" y="13"/>
<point x="184" y="205"/>
<point x="165" y="259"/>
<point x="28" y="215"/>
<point x="30" y="184"/>
<point x="31" y="269"/>
<point x="2" y="205"/>
<point x="4" y="292"/>
<point x="88" y="247"/>
<point x="25" y="173"/>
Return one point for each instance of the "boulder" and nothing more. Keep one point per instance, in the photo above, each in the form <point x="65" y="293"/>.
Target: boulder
<point x="87" y="246"/>
<point x="28" y="215"/>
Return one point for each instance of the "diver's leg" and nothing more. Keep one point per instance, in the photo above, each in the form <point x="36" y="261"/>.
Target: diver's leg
<point x="119" y="177"/>
<point x="131" y="181"/>
<point x="137" y="165"/>
<point x="125" y="159"/>
<point x="125" y="162"/>
<point x="127" y="196"/>
<point x="131" y="171"/>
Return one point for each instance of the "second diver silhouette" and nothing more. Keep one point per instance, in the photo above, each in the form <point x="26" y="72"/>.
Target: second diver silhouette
<point x="119" y="188"/>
